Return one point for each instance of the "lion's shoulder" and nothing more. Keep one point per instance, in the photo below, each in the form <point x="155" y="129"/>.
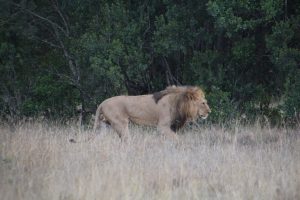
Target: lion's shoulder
<point x="182" y="99"/>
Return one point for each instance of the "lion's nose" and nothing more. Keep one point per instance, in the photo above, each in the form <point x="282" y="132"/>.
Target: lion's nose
<point x="209" y="110"/>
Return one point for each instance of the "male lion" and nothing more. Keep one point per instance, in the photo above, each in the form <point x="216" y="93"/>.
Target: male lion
<point x="168" y="109"/>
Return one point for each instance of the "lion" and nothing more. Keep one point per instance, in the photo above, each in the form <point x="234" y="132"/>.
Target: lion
<point x="168" y="109"/>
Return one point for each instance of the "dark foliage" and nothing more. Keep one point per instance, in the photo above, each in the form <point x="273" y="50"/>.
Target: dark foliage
<point x="56" y="55"/>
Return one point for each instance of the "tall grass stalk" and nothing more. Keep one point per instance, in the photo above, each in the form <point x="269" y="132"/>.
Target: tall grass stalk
<point x="212" y="162"/>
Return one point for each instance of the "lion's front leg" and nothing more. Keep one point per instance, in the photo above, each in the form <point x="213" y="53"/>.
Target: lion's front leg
<point x="166" y="130"/>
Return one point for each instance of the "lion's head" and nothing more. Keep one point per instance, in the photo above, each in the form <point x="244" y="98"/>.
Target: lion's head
<point x="189" y="103"/>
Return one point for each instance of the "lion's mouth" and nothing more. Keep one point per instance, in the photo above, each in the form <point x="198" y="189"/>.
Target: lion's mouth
<point x="203" y="116"/>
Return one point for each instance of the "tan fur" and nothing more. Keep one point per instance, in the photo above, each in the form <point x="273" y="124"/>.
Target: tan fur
<point x="168" y="109"/>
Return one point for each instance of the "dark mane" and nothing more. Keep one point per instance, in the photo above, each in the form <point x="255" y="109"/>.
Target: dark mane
<point x="178" y="123"/>
<point x="157" y="96"/>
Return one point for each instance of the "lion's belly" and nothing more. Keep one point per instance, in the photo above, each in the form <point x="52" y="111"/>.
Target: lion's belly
<point x="143" y="115"/>
<point x="142" y="121"/>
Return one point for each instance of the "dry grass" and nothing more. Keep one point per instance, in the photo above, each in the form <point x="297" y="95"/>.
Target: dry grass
<point x="38" y="162"/>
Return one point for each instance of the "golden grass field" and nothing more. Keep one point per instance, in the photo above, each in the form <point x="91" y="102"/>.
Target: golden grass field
<point x="245" y="162"/>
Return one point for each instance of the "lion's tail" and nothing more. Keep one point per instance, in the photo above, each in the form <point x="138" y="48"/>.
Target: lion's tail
<point x="97" y="118"/>
<point x="96" y="123"/>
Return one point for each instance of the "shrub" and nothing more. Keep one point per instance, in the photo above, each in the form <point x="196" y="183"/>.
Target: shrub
<point x="222" y="107"/>
<point x="291" y="104"/>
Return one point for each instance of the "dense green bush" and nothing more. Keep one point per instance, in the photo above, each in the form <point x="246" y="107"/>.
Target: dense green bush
<point x="222" y="107"/>
<point x="51" y="98"/>
<point x="292" y="97"/>
<point x="55" y="55"/>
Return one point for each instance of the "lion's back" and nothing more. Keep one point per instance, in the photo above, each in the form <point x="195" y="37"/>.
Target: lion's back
<point x="138" y="109"/>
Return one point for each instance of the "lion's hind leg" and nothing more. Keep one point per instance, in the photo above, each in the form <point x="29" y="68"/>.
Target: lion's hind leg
<point x="116" y="119"/>
<point x="121" y="127"/>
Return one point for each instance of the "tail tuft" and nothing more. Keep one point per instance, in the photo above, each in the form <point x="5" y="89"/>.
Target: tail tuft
<point x="72" y="140"/>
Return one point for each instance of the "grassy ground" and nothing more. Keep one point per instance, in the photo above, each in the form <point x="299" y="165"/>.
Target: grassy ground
<point x="38" y="162"/>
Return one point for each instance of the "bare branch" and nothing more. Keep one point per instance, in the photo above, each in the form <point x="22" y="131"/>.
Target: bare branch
<point x="42" y="18"/>
<point x="56" y="7"/>
<point x="49" y="43"/>
<point x="169" y="74"/>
